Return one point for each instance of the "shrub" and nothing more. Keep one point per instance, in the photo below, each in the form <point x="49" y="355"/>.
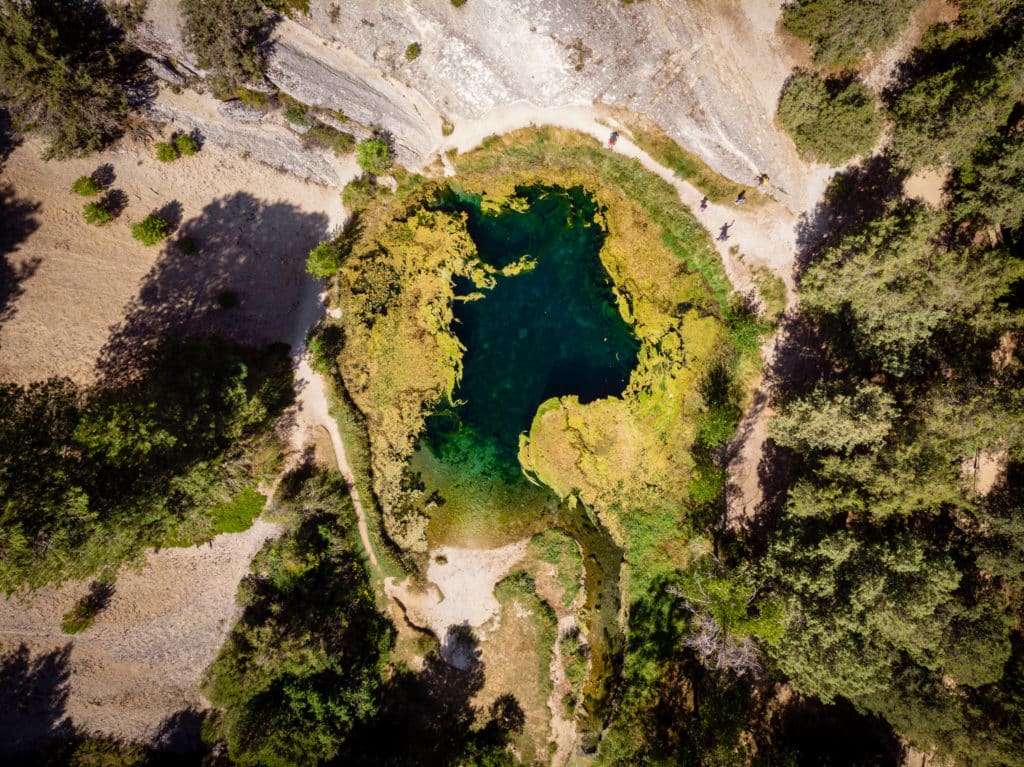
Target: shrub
<point x="226" y="36"/>
<point x="83" y="614"/>
<point x="323" y="260"/>
<point x="447" y="127"/>
<point x="325" y="136"/>
<point x="151" y="230"/>
<point x="373" y="156"/>
<point x="412" y="52"/>
<point x="458" y="3"/>
<point x="86" y="186"/>
<point x="296" y="115"/>
<point x="185" y="144"/>
<point x="359" y="193"/>
<point x="166" y="152"/>
<point x="829" y="120"/>
<point x="97" y="214"/>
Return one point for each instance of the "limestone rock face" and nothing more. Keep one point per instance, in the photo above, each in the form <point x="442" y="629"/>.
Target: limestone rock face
<point x="707" y="71"/>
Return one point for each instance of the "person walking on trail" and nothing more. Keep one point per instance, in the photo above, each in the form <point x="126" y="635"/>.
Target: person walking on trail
<point x="723" y="233"/>
<point x="612" y="139"/>
<point x="741" y="198"/>
<point x="703" y="204"/>
<point x="762" y="180"/>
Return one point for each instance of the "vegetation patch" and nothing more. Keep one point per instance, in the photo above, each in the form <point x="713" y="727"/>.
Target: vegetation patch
<point x="236" y="514"/>
<point x="139" y="462"/>
<point x="843" y="33"/>
<point x="97" y="213"/>
<point x="65" y="73"/>
<point x="830" y="121"/>
<point x="227" y="38"/>
<point x="152" y="229"/>
<point x="685" y="165"/>
<point x="86" y="186"/>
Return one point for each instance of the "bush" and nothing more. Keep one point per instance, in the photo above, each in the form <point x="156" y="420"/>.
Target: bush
<point x="359" y="193"/>
<point x="86" y="186"/>
<point x="458" y="3"/>
<point x="226" y="36"/>
<point x="296" y="115"/>
<point x="373" y="156"/>
<point x="412" y="52"/>
<point x="325" y="136"/>
<point x="830" y="121"/>
<point x="166" y="152"/>
<point x="97" y="214"/>
<point x="151" y="230"/>
<point x="323" y="260"/>
<point x="185" y="144"/>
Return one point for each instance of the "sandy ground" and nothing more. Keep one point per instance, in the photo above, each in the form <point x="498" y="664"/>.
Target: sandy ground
<point x="927" y="185"/>
<point x="141" y="663"/>
<point x="460" y="591"/>
<point x="91" y="287"/>
<point x="91" y="296"/>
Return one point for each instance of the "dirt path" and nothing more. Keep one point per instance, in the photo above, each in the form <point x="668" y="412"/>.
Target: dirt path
<point x="314" y="413"/>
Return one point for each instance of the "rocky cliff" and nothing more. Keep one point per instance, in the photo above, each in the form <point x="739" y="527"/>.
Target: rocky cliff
<point x="707" y="71"/>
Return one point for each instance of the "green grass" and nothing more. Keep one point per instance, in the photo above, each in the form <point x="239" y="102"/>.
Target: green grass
<point x="558" y="549"/>
<point x="684" y="164"/>
<point x="237" y="514"/>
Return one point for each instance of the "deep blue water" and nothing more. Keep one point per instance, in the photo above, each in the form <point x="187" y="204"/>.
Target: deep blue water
<point x="547" y="332"/>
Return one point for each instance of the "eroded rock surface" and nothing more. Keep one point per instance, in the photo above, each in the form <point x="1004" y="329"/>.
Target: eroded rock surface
<point x="709" y="73"/>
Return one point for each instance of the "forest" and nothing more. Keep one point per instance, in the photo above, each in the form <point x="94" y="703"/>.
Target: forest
<point x="875" y="605"/>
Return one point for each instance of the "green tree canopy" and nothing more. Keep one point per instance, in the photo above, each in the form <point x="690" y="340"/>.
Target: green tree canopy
<point x="64" y="71"/>
<point x="227" y="37"/>
<point x="899" y="287"/>
<point x="835" y="420"/>
<point x="830" y="121"/>
<point x="373" y="156"/>
<point x="843" y="32"/>
<point x="303" y="665"/>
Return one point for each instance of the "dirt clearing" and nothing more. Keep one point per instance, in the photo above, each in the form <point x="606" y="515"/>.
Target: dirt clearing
<point x="83" y="287"/>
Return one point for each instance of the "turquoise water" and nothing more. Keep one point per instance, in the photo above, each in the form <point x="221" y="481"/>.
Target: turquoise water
<point x="550" y="331"/>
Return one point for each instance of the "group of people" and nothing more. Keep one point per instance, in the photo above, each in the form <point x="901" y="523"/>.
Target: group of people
<point x="723" y="234"/>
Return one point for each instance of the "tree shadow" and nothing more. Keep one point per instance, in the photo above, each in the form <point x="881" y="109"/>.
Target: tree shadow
<point x="104" y="175"/>
<point x="427" y="717"/>
<point x="17" y="221"/>
<point x="115" y="201"/>
<point x="180" y="733"/>
<point x="854" y="197"/>
<point x="33" y="699"/>
<point x="172" y="213"/>
<point x="253" y="249"/>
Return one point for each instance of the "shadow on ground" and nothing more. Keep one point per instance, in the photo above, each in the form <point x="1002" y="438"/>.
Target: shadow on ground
<point x="17" y="221"/>
<point x="33" y="699"/>
<point x="246" y="248"/>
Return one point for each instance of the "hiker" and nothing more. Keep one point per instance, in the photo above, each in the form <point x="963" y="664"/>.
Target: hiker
<point x="703" y="204"/>
<point x="741" y="198"/>
<point x="613" y="138"/>
<point x="762" y="180"/>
